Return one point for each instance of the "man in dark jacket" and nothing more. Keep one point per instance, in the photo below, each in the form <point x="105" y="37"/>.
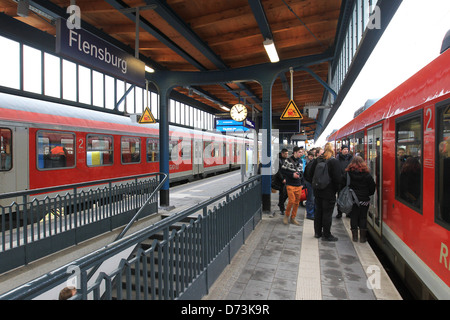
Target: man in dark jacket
<point x="344" y="160"/>
<point x="292" y="170"/>
<point x="282" y="181"/>
<point x="326" y="198"/>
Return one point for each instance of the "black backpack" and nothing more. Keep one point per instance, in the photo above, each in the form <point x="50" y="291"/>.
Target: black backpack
<point x="321" y="178"/>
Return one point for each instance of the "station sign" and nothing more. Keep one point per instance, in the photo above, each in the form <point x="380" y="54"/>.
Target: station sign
<point x="92" y="51"/>
<point x="231" y="129"/>
<point x="230" y="125"/>
<point x="227" y="122"/>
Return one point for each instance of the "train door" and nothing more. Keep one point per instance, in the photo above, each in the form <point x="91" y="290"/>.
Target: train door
<point x="13" y="160"/>
<point x="197" y="167"/>
<point x="375" y="163"/>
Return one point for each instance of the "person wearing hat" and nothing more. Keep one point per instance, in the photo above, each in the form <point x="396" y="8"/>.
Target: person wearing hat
<point x="344" y="158"/>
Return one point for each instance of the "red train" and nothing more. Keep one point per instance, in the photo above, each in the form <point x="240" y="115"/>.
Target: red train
<point x="405" y="139"/>
<point x="47" y="144"/>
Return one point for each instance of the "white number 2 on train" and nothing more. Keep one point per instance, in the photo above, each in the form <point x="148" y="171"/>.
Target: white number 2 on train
<point x="429" y="117"/>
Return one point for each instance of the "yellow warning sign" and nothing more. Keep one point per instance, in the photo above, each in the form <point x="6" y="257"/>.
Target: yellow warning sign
<point x="147" y="117"/>
<point x="291" y="112"/>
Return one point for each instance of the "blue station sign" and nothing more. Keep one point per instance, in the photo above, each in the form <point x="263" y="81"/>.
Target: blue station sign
<point x="229" y="125"/>
<point x="90" y="50"/>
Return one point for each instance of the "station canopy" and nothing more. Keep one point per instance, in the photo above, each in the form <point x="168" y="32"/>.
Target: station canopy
<point x="205" y="35"/>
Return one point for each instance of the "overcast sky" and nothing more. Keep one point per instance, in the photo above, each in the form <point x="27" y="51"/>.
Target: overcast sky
<point x="412" y="40"/>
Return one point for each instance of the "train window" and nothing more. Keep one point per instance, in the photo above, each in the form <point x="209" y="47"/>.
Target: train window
<point x="99" y="150"/>
<point x="131" y="149"/>
<point x="443" y="167"/>
<point x="153" y="149"/>
<point x="5" y="149"/>
<point x="359" y="144"/>
<point x="55" y="150"/>
<point x="409" y="161"/>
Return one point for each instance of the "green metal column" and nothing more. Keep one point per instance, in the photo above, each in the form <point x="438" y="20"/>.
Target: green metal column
<point x="266" y="152"/>
<point x="164" y="143"/>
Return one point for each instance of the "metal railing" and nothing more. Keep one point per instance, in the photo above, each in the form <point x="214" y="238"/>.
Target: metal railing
<point x="169" y="260"/>
<point x="42" y="221"/>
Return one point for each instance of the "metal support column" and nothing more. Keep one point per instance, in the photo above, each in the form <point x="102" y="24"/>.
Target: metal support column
<point x="164" y="144"/>
<point x="266" y="159"/>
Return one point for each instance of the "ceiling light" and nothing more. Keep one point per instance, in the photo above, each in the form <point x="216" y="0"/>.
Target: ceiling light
<point x="148" y="69"/>
<point x="271" y="50"/>
<point x="225" y="108"/>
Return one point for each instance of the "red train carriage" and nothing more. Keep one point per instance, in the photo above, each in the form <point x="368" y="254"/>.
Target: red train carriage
<point x="405" y="139"/>
<point x="47" y="144"/>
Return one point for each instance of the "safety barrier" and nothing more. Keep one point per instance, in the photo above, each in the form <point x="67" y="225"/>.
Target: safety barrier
<point x="169" y="260"/>
<point x="43" y="221"/>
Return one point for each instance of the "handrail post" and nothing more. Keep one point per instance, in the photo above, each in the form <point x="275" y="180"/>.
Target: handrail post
<point x="110" y="204"/>
<point x="25" y="222"/>
<point x="75" y="210"/>
<point x="166" y="262"/>
<point x="205" y="243"/>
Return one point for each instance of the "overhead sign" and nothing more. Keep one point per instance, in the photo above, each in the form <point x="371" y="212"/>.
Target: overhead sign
<point x="227" y="122"/>
<point x="91" y="51"/>
<point x="291" y="112"/>
<point x="231" y="128"/>
<point x="230" y="125"/>
<point x="147" y="117"/>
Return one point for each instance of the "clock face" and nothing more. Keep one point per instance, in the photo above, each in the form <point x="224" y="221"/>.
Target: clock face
<point x="238" y="112"/>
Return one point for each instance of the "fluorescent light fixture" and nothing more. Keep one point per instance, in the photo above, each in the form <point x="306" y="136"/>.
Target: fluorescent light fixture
<point x="271" y="50"/>
<point x="225" y="108"/>
<point x="148" y="69"/>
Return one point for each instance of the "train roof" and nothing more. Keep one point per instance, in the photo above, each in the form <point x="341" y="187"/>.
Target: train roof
<point x="430" y="83"/>
<point x="31" y="111"/>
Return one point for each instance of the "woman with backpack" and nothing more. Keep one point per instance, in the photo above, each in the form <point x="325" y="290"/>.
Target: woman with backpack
<point x="325" y="177"/>
<point x="362" y="183"/>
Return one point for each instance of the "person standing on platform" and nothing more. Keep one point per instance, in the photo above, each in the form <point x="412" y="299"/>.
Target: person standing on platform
<point x="344" y="158"/>
<point x="310" y="203"/>
<point x="282" y="196"/>
<point x="292" y="170"/>
<point x="362" y="183"/>
<point x="326" y="198"/>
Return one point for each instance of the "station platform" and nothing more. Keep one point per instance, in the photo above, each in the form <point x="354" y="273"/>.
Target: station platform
<point x="286" y="262"/>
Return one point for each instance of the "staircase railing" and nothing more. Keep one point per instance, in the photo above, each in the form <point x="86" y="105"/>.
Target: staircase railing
<point x="178" y="264"/>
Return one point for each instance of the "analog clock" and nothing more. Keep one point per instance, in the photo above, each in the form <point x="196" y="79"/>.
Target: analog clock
<point x="238" y="112"/>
